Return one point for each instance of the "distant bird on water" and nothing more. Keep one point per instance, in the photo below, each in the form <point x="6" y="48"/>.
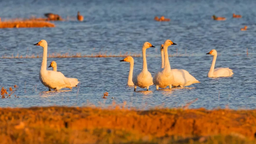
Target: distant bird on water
<point x="218" y="18"/>
<point x="53" y="17"/>
<point x="244" y="28"/>
<point x="236" y="16"/>
<point x="79" y="17"/>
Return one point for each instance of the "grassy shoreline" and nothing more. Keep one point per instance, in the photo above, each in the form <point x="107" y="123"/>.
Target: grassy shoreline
<point x="26" y="23"/>
<point x="120" y="125"/>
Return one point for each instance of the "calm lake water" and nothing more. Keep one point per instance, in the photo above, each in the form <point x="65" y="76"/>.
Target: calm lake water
<point x="115" y="26"/>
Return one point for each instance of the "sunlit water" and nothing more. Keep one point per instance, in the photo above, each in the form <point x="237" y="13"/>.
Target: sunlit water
<point x="123" y="26"/>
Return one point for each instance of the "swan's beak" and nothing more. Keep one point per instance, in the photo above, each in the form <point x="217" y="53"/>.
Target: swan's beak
<point x="208" y="53"/>
<point x="174" y="44"/>
<point x="152" y="46"/>
<point x="121" y="60"/>
<point x="37" y="44"/>
<point x="49" y="66"/>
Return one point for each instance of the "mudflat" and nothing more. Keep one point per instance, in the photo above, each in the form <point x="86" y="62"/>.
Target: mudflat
<point x="121" y="125"/>
<point x="30" y="23"/>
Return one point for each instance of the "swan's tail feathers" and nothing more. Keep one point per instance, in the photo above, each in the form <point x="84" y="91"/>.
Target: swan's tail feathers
<point x="231" y="72"/>
<point x="73" y="82"/>
<point x="197" y="81"/>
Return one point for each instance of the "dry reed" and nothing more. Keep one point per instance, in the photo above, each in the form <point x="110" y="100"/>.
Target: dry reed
<point x="6" y="94"/>
<point x="119" y="125"/>
<point x="26" y="23"/>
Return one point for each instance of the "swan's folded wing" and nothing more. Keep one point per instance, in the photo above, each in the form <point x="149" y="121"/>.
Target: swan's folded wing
<point x="58" y="79"/>
<point x="73" y="81"/>
<point x="224" y="72"/>
<point x="183" y="77"/>
<point x="143" y="79"/>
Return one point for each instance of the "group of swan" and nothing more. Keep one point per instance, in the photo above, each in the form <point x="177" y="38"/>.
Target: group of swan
<point x="163" y="78"/>
<point x="167" y="76"/>
<point x="53" y="79"/>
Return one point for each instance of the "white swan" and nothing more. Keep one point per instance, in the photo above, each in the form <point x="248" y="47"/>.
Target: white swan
<point x="73" y="81"/>
<point x="181" y="77"/>
<point x="53" y="65"/>
<point x="219" y="72"/>
<point x="165" y="77"/>
<point x="52" y="79"/>
<point x="131" y="61"/>
<point x="144" y="78"/>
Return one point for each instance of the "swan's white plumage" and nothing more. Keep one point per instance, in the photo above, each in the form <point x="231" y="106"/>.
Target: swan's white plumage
<point x="183" y="78"/>
<point x="130" y="76"/>
<point x="165" y="77"/>
<point x="52" y="79"/>
<point x="218" y="72"/>
<point x="144" y="78"/>
<point x="73" y="81"/>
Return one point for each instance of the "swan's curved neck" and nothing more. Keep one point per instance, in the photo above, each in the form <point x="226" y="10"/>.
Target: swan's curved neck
<point x="44" y="61"/>
<point x="130" y="82"/>
<point x="213" y="65"/>
<point x="145" y="66"/>
<point x="162" y="56"/>
<point x="55" y="68"/>
<point x="167" y="65"/>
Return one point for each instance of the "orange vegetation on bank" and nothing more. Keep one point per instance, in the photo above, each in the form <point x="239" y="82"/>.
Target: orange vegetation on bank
<point x="120" y="125"/>
<point x="6" y="94"/>
<point x="27" y="23"/>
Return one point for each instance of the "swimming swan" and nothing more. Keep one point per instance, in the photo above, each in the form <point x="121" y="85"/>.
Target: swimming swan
<point x="53" y="65"/>
<point x="181" y="77"/>
<point x="144" y="78"/>
<point x="73" y="81"/>
<point x="52" y="79"/>
<point x="131" y="61"/>
<point x="165" y="77"/>
<point x="219" y="72"/>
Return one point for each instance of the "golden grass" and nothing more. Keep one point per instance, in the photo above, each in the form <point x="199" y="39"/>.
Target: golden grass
<point x="6" y="94"/>
<point x="120" y="125"/>
<point x="26" y="23"/>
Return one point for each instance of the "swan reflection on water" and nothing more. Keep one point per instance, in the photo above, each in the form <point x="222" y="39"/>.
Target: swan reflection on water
<point x="145" y="92"/>
<point x="52" y="93"/>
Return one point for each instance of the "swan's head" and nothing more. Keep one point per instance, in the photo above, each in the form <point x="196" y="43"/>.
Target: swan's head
<point x="147" y="45"/>
<point x="169" y="42"/>
<point x="212" y="52"/>
<point x="127" y="59"/>
<point x="53" y="64"/>
<point x="42" y="43"/>
<point x="162" y="47"/>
